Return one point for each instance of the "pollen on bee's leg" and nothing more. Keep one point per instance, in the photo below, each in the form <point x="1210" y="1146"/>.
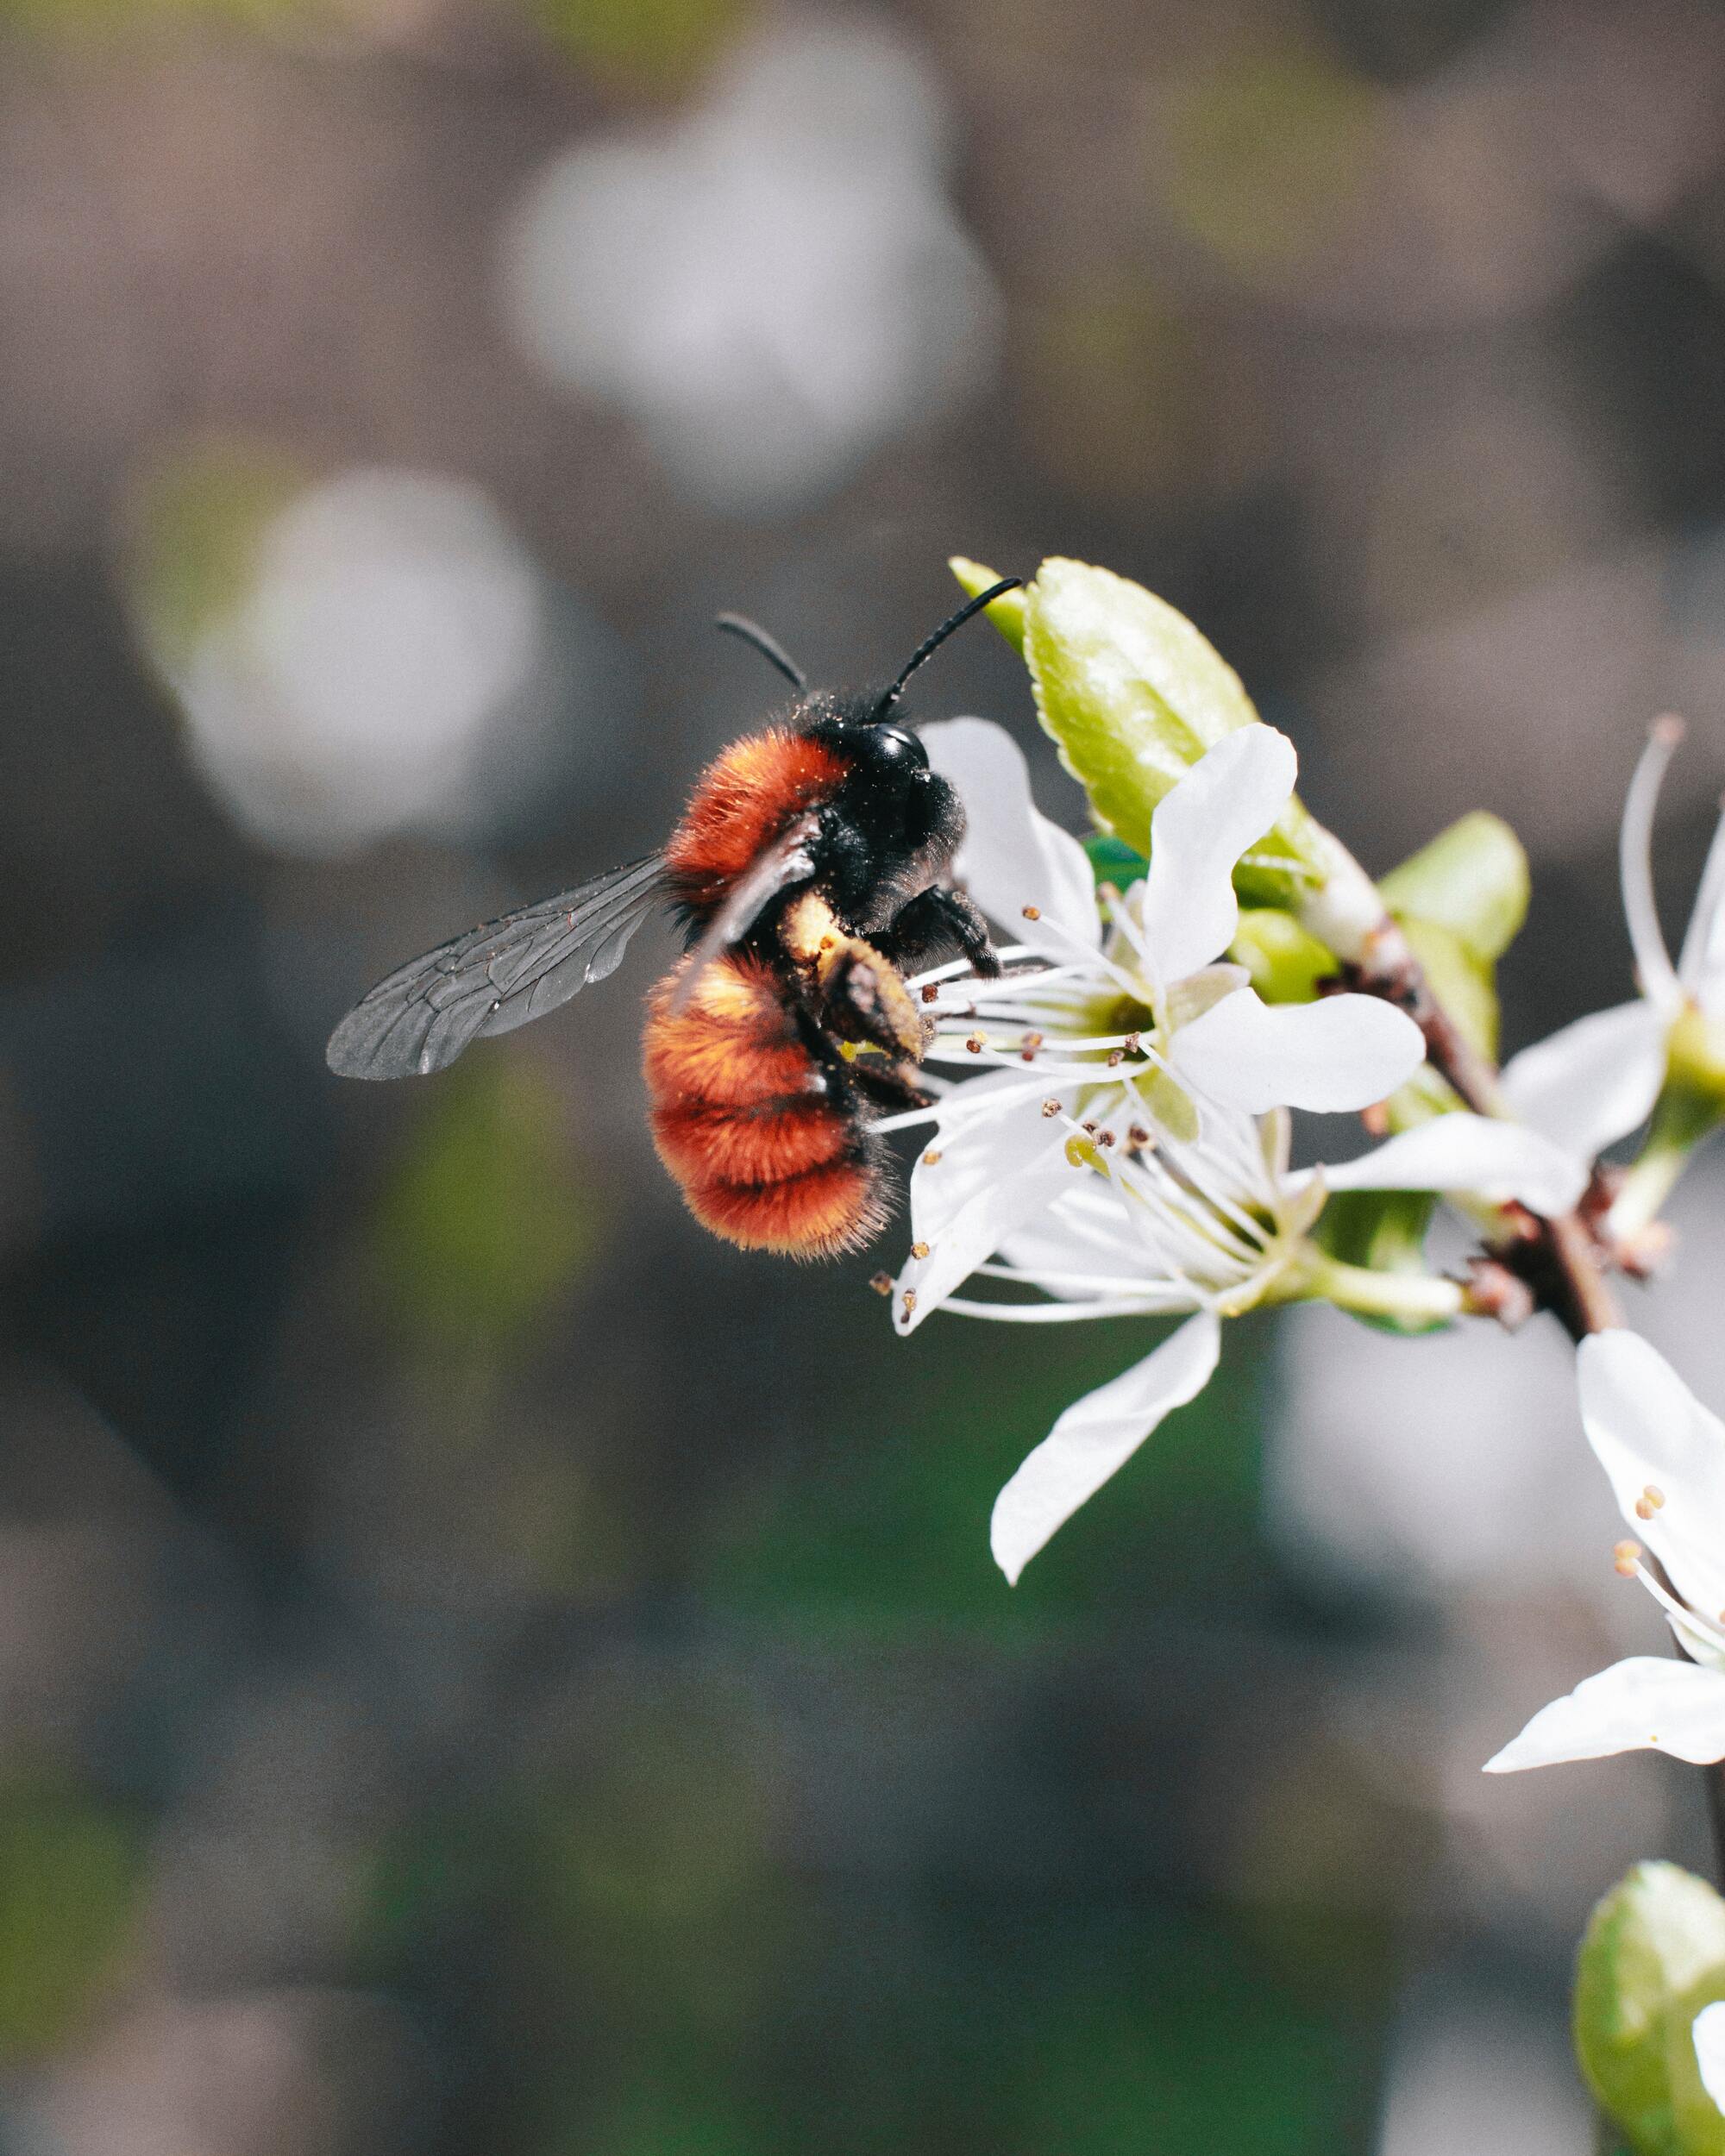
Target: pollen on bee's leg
<point x="1625" y="1557"/>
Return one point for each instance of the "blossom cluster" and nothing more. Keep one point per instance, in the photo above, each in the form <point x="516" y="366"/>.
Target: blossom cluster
<point x="1112" y="1135"/>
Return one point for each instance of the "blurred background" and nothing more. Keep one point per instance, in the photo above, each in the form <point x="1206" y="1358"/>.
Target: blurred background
<point x="486" y="1670"/>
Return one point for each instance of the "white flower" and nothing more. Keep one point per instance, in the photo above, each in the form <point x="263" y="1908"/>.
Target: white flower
<point x="1210" y="1226"/>
<point x="1127" y="1155"/>
<point x="1160" y="963"/>
<point x="1595" y="1081"/>
<point x="1707" y="2032"/>
<point x="1665" y="1456"/>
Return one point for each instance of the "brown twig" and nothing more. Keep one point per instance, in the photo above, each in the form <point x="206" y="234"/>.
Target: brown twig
<point x="1561" y="1258"/>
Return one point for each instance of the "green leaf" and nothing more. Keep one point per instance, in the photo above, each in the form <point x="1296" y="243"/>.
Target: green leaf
<point x="1006" y="612"/>
<point x="1114" y="861"/>
<point x="1131" y="692"/>
<point x="1463" y="982"/>
<point x="1472" y="879"/>
<point x="1285" y="960"/>
<point x="1654" y="1955"/>
<point x="1132" y="696"/>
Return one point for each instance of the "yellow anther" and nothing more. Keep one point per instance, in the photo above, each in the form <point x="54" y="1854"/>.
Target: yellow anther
<point x="1654" y="1496"/>
<point x="1625" y="1556"/>
<point x="881" y="1283"/>
<point x="975" y="1044"/>
<point x="931" y="1159"/>
<point x="909" y="1301"/>
<point x="1051" y="1107"/>
<point x="918" y="1249"/>
<point x="1032" y="913"/>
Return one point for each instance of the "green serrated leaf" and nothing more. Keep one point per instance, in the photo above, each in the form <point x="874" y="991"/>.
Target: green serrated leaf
<point x="1472" y="879"/>
<point x="1464" y="983"/>
<point x="1131" y="692"/>
<point x="1006" y="612"/>
<point x="1285" y="960"/>
<point x="1133" y="695"/>
<point x="1652" y="1956"/>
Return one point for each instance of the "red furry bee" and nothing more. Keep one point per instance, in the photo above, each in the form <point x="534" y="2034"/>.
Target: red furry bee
<point x="809" y="868"/>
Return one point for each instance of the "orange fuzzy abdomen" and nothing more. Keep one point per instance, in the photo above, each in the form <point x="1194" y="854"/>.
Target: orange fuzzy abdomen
<point x="744" y="799"/>
<point x="740" y="1116"/>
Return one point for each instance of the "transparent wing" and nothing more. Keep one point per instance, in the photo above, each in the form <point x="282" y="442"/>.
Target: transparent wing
<point x="495" y="977"/>
<point x="785" y="861"/>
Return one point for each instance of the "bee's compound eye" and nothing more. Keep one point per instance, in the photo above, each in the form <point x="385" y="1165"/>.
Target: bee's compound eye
<point x="897" y="746"/>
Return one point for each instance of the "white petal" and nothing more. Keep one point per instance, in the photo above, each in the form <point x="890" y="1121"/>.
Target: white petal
<point x="1096" y="1436"/>
<point x="1013" y="857"/>
<point x="1476" y="1154"/>
<point x="1707" y="2033"/>
<point x="1201" y="826"/>
<point x="1592" y="1082"/>
<point x="994" y="1173"/>
<point x="1646" y="1703"/>
<point x="1085" y="1231"/>
<point x="1645" y="1427"/>
<point x="1340" y="1052"/>
<point x="1701" y="967"/>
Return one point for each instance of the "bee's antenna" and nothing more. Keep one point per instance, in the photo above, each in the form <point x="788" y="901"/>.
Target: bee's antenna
<point x="930" y="645"/>
<point x="769" y="647"/>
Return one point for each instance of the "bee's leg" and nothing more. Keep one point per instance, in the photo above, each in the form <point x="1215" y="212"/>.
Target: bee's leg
<point x="860" y="995"/>
<point x="851" y="988"/>
<point x="934" y="924"/>
<point x="888" y="1085"/>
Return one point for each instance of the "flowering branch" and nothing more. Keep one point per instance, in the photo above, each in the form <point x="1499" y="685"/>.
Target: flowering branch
<point x="1110" y="1139"/>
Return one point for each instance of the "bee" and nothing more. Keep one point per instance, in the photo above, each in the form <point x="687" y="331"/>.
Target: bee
<point x="810" y="871"/>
